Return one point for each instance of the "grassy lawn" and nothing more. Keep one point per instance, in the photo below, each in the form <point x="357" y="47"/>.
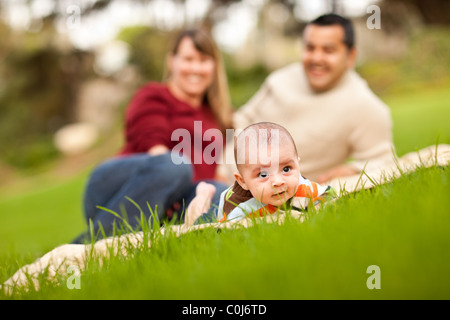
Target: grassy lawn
<point x="402" y="227"/>
<point x="37" y="220"/>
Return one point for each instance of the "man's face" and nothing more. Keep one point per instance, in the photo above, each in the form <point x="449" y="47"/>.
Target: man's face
<point x="325" y="56"/>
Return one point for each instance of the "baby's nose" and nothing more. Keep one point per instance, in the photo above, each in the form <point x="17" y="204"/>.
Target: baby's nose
<point x="277" y="181"/>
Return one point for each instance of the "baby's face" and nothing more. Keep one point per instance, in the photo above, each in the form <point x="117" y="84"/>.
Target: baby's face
<point x="272" y="182"/>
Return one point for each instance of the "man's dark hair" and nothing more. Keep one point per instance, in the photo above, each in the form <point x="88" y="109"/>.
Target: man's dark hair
<point x="334" y="19"/>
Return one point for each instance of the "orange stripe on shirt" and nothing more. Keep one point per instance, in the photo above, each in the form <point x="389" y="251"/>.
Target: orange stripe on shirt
<point x="305" y="191"/>
<point x="263" y="211"/>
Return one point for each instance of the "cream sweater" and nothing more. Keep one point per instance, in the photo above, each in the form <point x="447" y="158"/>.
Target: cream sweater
<point x="348" y="122"/>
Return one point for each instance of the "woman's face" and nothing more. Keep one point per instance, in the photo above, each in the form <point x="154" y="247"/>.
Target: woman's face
<point x="192" y="71"/>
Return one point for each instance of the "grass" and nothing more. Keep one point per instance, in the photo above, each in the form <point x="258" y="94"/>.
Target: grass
<point x="402" y="227"/>
<point x="29" y="220"/>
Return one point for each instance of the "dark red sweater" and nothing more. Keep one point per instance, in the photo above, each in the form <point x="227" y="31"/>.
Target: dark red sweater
<point x="154" y="113"/>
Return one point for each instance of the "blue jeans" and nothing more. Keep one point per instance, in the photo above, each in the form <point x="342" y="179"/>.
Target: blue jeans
<point x="155" y="180"/>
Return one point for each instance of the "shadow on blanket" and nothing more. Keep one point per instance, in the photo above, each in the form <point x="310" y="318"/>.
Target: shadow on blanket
<point x="56" y="262"/>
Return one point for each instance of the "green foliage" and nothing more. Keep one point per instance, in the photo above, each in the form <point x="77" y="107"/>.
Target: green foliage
<point x="428" y="56"/>
<point x="30" y="151"/>
<point x="426" y="64"/>
<point x="148" y="48"/>
<point x="243" y="82"/>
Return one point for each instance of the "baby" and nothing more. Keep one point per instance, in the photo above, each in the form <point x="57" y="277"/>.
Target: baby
<point x="268" y="179"/>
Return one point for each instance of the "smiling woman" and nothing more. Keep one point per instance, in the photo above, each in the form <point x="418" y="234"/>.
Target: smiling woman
<point x="193" y="72"/>
<point x="195" y="90"/>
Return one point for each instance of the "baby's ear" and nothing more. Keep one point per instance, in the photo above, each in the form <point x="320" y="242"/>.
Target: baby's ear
<point x="240" y="180"/>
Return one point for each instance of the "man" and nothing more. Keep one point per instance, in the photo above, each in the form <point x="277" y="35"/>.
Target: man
<point x="337" y="122"/>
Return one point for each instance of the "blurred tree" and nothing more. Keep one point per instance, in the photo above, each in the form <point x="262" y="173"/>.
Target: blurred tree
<point x="38" y="86"/>
<point x="60" y="8"/>
<point x="431" y="11"/>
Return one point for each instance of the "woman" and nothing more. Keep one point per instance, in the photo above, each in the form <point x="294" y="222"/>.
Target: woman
<point x="195" y="90"/>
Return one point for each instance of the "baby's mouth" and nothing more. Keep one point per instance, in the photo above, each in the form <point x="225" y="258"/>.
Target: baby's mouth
<point x="280" y="194"/>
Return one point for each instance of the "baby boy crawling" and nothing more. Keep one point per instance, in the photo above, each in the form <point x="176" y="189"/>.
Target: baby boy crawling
<point x="268" y="179"/>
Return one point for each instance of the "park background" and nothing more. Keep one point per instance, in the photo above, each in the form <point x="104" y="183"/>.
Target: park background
<point x="68" y="69"/>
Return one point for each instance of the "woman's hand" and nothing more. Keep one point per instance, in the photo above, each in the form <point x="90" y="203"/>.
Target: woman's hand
<point x="157" y="150"/>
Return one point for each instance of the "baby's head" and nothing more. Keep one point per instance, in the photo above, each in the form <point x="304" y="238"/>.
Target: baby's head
<point x="267" y="163"/>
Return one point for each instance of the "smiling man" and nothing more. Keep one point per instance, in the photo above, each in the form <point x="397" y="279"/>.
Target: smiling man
<point x="328" y="52"/>
<point x="337" y="122"/>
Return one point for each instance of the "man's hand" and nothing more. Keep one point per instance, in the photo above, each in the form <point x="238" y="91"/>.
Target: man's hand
<point x="338" y="171"/>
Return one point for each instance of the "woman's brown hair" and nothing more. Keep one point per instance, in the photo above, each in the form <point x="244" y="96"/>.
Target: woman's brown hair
<point x="217" y="95"/>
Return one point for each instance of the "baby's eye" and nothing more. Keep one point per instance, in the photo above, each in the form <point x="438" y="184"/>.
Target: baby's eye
<point x="263" y="174"/>
<point x="286" y="169"/>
